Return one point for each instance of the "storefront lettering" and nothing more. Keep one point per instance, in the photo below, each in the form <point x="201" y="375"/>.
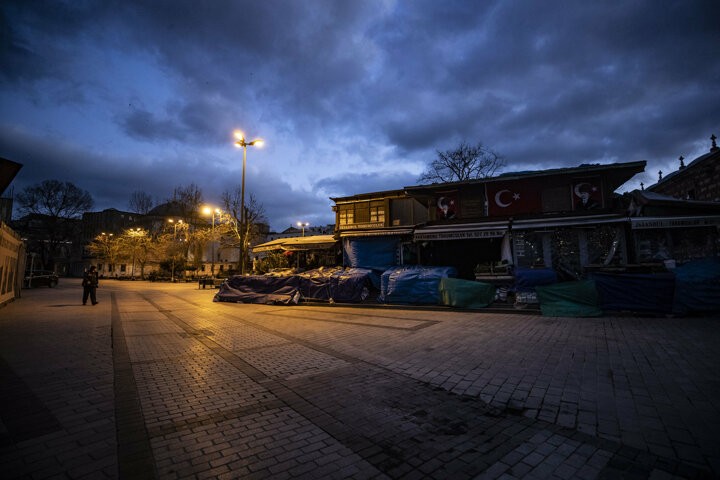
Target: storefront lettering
<point x="697" y="222"/>
<point x="460" y="235"/>
<point x="358" y="226"/>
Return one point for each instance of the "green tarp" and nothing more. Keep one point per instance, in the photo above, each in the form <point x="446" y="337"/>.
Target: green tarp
<point x="465" y="293"/>
<point x="569" y="299"/>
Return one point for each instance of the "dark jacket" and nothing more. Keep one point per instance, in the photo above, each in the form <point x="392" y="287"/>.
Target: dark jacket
<point x="90" y="279"/>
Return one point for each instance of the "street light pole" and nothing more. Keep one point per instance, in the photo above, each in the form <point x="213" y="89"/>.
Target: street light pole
<point x="134" y="233"/>
<point x="240" y="136"/>
<point x="175" y="225"/>
<point x="212" y="212"/>
<point x="303" y="225"/>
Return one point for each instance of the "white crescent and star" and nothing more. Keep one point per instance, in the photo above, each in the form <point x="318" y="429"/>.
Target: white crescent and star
<point x="580" y="185"/>
<point x="500" y="203"/>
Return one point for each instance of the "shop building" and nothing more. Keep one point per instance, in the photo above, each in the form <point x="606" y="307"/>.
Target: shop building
<point x="568" y="220"/>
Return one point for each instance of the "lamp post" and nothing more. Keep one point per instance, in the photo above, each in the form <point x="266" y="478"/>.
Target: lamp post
<point x="240" y="136"/>
<point x="212" y="211"/>
<point x="106" y="238"/>
<point x="135" y="233"/>
<point x="175" y="225"/>
<point x="303" y="225"/>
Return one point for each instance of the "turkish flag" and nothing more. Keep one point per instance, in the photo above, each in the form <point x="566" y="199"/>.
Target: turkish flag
<point x="513" y="198"/>
<point x="587" y="194"/>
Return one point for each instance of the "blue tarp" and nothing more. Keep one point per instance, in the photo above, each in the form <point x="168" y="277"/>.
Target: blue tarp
<point x="349" y="286"/>
<point x="697" y="287"/>
<point x="376" y="253"/>
<point x="413" y="284"/>
<point x="259" y="289"/>
<point x="526" y="279"/>
<point x="641" y="293"/>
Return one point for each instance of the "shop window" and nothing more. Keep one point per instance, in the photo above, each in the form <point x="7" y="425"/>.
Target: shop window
<point x="566" y="253"/>
<point x="377" y="212"/>
<point x="606" y="245"/>
<point x="346" y="215"/>
<point x="362" y="212"/>
<point x="529" y="251"/>
<point x="679" y="244"/>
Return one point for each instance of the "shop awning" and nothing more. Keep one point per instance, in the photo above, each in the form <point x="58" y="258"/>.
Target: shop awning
<point x="314" y="242"/>
<point x="465" y="231"/>
<point x="642" y="223"/>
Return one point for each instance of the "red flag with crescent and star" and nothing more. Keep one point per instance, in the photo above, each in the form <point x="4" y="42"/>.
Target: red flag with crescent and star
<point x="587" y="194"/>
<point x="513" y="198"/>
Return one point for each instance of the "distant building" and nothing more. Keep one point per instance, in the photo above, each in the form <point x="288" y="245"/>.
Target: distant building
<point x="698" y="180"/>
<point x="292" y="231"/>
<point x="108" y="221"/>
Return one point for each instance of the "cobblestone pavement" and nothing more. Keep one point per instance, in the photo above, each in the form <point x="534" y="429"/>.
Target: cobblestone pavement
<point x="157" y="381"/>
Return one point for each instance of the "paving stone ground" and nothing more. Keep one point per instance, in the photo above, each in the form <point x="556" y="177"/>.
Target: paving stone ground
<point x="158" y="381"/>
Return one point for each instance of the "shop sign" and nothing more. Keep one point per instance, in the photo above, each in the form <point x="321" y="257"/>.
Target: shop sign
<point x="361" y="226"/>
<point x="467" y="235"/>
<point x="674" y="223"/>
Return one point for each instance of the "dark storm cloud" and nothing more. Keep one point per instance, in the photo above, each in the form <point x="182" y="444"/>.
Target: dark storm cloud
<point x="559" y="71"/>
<point x="195" y="120"/>
<point x="352" y="184"/>
<point x="350" y="88"/>
<point x="112" y="179"/>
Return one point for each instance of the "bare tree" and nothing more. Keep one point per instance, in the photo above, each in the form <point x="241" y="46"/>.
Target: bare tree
<point x="466" y="162"/>
<point x="55" y="199"/>
<point x="236" y="234"/>
<point x="189" y="199"/>
<point x="140" y="202"/>
<point x="60" y="205"/>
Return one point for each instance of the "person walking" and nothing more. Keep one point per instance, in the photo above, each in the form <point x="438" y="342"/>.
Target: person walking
<point x="90" y="284"/>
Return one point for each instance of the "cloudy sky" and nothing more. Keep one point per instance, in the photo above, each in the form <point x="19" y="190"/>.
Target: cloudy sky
<point x="350" y="96"/>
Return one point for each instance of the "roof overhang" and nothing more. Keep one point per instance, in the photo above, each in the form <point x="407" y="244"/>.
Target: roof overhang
<point x="294" y="244"/>
<point x="8" y="170"/>
<point x="615" y="174"/>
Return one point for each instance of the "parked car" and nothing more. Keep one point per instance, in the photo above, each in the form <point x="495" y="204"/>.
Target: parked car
<point x="41" y="278"/>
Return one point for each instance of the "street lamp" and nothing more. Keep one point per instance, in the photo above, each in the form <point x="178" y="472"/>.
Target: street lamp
<point x="211" y="211"/>
<point x="175" y="225"/>
<point x="303" y="225"/>
<point x="240" y="136"/>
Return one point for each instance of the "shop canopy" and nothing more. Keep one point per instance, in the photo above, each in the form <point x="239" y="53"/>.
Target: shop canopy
<point x="294" y="244"/>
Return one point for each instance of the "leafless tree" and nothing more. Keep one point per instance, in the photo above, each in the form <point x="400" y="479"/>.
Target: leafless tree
<point x="188" y="199"/>
<point x="55" y="199"/>
<point x="60" y="205"/>
<point x="140" y="202"/>
<point x="238" y="234"/>
<point x="466" y="162"/>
